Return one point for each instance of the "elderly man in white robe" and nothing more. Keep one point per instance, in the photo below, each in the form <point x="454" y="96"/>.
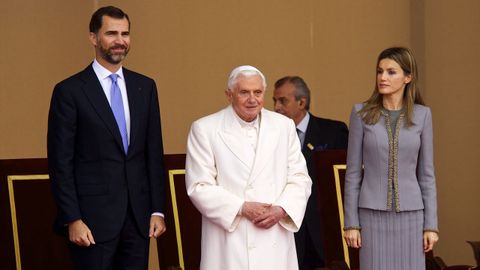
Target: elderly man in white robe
<point x="246" y="174"/>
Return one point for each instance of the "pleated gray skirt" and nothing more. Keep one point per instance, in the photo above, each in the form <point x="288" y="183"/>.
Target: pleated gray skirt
<point x="391" y="240"/>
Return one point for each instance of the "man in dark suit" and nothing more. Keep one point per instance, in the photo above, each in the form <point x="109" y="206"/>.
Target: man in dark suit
<point x="291" y="97"/>
<point x="105" y="154"/>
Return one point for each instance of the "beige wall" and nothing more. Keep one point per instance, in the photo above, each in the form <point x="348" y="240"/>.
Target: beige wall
<point x="189" y="47"/>
<point x="41" y="44"/>
<point x="452" y="57"/>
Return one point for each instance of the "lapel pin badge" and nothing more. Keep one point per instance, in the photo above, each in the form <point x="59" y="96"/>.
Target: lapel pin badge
<point x="310" y="146"/>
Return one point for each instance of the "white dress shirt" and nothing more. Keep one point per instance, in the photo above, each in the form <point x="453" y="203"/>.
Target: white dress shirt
<point x="103" y="76"/>
<point x="302" y="127"/>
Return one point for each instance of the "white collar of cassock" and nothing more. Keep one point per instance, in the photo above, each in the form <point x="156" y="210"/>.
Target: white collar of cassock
<point x="244" y="124"/>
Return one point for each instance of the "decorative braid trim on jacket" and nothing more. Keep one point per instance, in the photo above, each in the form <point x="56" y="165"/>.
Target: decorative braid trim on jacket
<point x="393" y="161"/>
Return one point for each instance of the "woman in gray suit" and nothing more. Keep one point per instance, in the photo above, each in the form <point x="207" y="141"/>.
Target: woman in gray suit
<point x="391" y="207"/>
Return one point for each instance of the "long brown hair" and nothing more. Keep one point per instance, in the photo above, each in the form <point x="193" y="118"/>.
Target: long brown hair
<point x="370" y="112"/>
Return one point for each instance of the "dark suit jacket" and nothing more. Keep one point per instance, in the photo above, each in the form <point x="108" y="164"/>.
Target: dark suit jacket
<point x="322" y="134"/>
<point x="92" y="178"/>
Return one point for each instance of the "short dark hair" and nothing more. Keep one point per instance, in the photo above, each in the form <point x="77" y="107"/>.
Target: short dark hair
<point x="110" y="11"/>
<point x="301" y="88"/>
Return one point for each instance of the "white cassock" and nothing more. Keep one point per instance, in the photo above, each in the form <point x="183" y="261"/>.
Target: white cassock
<point x="223" y="171"/>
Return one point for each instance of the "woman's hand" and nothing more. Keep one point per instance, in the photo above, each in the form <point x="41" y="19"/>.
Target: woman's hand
<point x="353" y="238"/>
<point x="429" y="239"/>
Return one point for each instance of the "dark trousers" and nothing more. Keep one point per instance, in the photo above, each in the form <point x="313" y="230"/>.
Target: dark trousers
<point x="128" y="250"/>
<point x="309" y="256"/>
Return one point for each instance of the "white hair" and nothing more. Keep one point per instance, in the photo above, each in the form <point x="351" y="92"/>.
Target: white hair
<point x="246" y="71"/>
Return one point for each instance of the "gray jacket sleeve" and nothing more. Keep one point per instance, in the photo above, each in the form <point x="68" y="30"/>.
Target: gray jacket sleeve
<point x="426" y="176"/>
<point x="353" y="176"/>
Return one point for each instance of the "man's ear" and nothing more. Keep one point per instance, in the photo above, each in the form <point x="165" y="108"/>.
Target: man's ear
<point x="228" y="93"/>
<point x="93" y="38"/>
<point x="302" y="102"/>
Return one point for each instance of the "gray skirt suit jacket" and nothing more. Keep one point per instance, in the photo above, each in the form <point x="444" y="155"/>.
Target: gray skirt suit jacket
<point x="398" y="173"/>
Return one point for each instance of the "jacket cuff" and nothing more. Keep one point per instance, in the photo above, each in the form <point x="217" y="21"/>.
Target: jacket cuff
<point x="352" y="228"/>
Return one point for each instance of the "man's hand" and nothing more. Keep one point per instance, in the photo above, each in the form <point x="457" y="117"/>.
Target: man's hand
<point x="353" y="238"/>
<point x="157" y="226"/>
<point x="252" y="210"/>
<point x="80" y="234"/>
<point x="271" y="217"/>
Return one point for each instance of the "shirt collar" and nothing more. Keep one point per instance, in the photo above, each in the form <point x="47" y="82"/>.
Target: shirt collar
<point x="302" y="126"/>
<point x="103" y="73"/>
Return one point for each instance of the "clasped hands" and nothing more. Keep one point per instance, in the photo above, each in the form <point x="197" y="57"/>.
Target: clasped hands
<point x="263" y="215"/>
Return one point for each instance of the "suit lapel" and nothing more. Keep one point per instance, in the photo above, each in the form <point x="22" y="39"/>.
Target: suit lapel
<point x="230" y="134"/>
<point x="311" y="135"/>
<point x="94" y="92"/>
<point x="267" y="142"/>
